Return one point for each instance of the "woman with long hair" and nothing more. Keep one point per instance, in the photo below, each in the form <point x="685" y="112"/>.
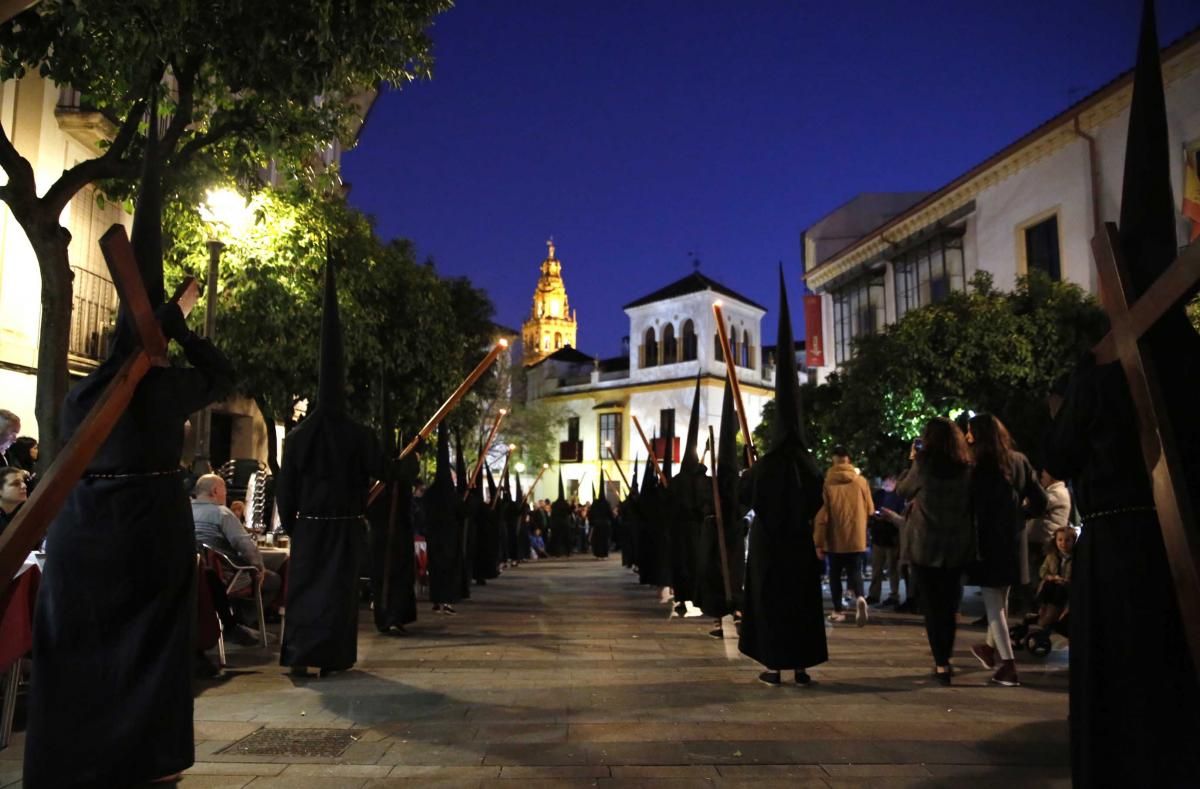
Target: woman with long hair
<point x="13" y="493"/>
<point x="941" y="536"/>
<point x="1003" y="481"/>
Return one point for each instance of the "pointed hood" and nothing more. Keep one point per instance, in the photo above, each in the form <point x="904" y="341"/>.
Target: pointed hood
<point x="520" y="497"/>
<point x="505" y="484"/>
<point x="691" y="458"/>
<point x="441" y="475"/>
<point x="562" y="496"/>
<point x="600" y="505"/>
<point x="331" y="372"/>
<point x="668" y="453"/>
<point x="633" y="486"/>
<point x="789" y="421"/>
<point x="147" y="236"/>
<point x="727" y="451"/>
<point x="1147" y="229"/>
<point x="491" y="482"/>
<point x="460" y="464"/>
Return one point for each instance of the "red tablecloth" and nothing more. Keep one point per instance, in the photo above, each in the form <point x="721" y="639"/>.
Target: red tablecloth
<point x="16" y="616"/>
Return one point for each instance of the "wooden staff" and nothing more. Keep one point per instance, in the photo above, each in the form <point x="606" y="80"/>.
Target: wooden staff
<point x="443" y="411"/>
<point x="459" y="394"/>
<point x="617" y="463"/>
<point x="720" y="525"/>
<point x="654" y="460"/>
<point x="29" y="526"/>
<point x="507" y="455"/>
<point x="731" y="373"/>
<point x="483" y="452"/>
<point x="536" y="479"/>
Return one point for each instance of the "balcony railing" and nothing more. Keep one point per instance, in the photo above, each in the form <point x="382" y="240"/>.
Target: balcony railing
<point x="570" y="451"/>
<point x="93" y="314"/>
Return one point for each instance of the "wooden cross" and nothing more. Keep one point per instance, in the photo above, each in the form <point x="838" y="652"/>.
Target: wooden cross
<point x="1129" y="323"/>
<point x="29" y="527"/>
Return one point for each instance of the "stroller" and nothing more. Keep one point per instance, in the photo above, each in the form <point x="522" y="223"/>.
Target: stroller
<point x="1034" y="631"/>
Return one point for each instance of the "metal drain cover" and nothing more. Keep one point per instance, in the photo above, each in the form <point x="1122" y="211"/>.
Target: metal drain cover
<point x="294" y="742"/>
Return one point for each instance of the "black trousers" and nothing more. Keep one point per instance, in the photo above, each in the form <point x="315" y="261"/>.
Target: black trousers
<point x="852" y="564"/>
<point x="941" y="593"/>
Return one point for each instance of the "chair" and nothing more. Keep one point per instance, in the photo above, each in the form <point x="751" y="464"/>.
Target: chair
<point x="224" y="564"/>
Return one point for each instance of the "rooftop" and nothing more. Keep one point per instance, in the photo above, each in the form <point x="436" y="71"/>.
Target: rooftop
<point x="692" y="283"/>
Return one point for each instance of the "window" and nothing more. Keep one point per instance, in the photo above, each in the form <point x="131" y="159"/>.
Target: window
<point x="746" y="349"/>
<point x="718" y="351"/>
<point x="857" y="311"/>
<point x="610" y="433"/>
<point x="668" y="345"/>
<point x="649" y="349"/>
<point x="666" y="422"/>
<point x="926" y="273"/>
<point x="689" y="341"/>
<point x="573" y="428"/>
<point x="1041" y="248"/>
<point x="557" y="340"/>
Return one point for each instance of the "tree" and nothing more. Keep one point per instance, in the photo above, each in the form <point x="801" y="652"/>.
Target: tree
<point x="235" y="84"/>
<point x="982" y="350"/>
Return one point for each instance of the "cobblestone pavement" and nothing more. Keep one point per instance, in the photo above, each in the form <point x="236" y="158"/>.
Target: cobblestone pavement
<point x="567" y="673"/>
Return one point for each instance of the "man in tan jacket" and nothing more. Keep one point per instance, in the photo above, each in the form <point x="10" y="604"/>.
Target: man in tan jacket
<point x="840" y="530"/>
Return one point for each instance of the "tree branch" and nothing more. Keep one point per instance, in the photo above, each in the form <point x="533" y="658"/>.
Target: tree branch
<point x="211" y="137"/>
<point x="110" y="165"/>
<point x="21" y="190"/>
<point x="186" y="79"/>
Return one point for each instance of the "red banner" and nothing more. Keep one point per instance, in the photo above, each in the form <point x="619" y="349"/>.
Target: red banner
<point x="814" y="340"/>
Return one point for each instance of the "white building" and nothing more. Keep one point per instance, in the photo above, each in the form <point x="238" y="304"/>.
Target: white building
<point x="1034" y="205"/>
<point x="674" y="338"/>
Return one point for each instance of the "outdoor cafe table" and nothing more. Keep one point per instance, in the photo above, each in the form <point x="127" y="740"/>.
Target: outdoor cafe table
<point x="16" y="638"/>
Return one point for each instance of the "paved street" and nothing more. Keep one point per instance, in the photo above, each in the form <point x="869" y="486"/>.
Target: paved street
<point x="566" y="673"/>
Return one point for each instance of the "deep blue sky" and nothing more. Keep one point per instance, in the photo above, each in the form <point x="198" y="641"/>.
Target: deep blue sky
<point x="638" y="132"/>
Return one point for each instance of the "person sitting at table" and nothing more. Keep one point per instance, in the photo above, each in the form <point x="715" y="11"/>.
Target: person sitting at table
<point x="13" y="492"/>
<point x="218" y="527"/>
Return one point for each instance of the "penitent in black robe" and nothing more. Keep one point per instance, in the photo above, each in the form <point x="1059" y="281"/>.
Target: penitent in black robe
<point x="1135" y="699"/>
<point x="600" y="519"/>
<point x="111" y="703"/>
<point x="783" y="626"/>
<point x="328" y="464"/>
<point x="392" y="558"/>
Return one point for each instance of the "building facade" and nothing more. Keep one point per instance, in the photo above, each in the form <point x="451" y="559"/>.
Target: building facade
<point x="551" y="323"/>
<point x="1034" y="205"/>
<point x="674" y="339"/>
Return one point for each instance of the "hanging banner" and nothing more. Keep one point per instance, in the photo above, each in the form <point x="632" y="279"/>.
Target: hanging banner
<point x="814" y="342"/>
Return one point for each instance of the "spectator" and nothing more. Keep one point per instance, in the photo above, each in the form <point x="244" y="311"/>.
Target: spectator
<point x="840" y="530"/>
<point x="24" y="453"/>
<point x="1002" y="481"/>
<point x="885" y="543"/>
<point x="537" y="545"/>
<point x="940" y="532"/>
<point x="10" y="428"/>
<point x="1040" y="530"/>
<point x="218" y="527"/>
<point x="13" y="492"/>
<point x="1054" y="591"/>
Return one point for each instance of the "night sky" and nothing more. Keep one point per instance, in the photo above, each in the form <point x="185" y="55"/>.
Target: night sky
<point x="641" y="133"/>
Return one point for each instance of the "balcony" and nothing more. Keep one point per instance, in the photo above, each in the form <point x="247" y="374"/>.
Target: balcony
<point x="93" y="317"/>
<point x="87" y="125"/>
<point x="570" y="451"/>
<point x="660" y="449"/>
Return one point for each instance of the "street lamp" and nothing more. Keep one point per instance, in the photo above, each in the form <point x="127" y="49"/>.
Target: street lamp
<point x="225" y="214"/>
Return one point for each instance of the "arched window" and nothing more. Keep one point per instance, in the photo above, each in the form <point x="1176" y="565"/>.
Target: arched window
<point x="734" y="350"/>
<point x="689" y="341"/>
<point x="557" y="340"/>
<point x="668" y="345"/>
<point x="746" y="349"/>
<point x="718" y="353"/>
<point x="649" y="349"/>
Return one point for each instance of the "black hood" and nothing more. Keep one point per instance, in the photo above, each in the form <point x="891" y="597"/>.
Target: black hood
<point x="561" y="495"/>
<point x="789" y="408"/>
<point x="727" y="452"/>
<point x="460" y="464"/>
<point x="331" y="372"/>
<point x="691" y="459"/>
<point x="633" y="484"/>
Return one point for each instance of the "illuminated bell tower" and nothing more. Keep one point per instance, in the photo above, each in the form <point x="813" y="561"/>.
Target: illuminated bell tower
<point x="551" y="323"/>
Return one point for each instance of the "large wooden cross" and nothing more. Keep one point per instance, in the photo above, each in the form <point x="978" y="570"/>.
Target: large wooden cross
<point x="29" y="527"/>
<point x="1129" y="324"/>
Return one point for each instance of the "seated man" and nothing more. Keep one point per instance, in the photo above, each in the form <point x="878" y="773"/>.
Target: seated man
<point x="217" y="526"/>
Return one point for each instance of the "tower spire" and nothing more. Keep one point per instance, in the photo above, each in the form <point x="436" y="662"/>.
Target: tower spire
<point x="551" y="325"/>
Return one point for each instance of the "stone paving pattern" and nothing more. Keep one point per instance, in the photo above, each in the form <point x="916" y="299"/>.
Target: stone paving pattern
<point x="567" y="673"/>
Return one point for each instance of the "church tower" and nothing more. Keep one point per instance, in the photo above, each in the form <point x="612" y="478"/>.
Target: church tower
<point x="551" y="323"/>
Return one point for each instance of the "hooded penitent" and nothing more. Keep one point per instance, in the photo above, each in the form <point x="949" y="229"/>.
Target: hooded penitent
<point x="469" y="503"/>
<point x="600" y="520"/>
<point x="660" y="512"/>
<point x="443" y="527"/>
<point x="487" y="533"/>
<point x="329" y="461"/>
<point x="712" y="583"/>
<point x="1124" y="717"/>
<point x="391" y="561"/>
<point x="783" y="625"/>
<point x="559" y="543"/>
<point x="691" y="503"/>
<point x="521" y="551"/>
<point x="136" y="724"/>
<point x="629" y="520"/>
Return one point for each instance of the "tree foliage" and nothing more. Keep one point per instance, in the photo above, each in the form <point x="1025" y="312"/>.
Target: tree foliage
<point x="982" y="350"/>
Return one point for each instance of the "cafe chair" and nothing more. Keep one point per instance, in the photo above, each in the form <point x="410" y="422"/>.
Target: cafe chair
<point x="231" y="573"/>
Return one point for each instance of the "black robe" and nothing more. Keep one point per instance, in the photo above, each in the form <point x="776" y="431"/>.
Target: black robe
<point x="690" y="503"/>
<point x="710" y="581"/>
<point x="328" y="464"/>
<point x="559" y="543"/>
<point x="391" y="551"/>
<point x="600" y="520"/>
<point x="629" y="530"/>
<point x="444" y="536"/>
<point x="1135" y="698"/>
<point x="654" y="543"/>
<point x="487" y="541"/>
<point x="111" y="702"/>
<point x="783" y="624"/>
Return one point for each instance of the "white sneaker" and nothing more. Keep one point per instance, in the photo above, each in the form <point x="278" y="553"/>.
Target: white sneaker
<point x="860" y="611"/>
